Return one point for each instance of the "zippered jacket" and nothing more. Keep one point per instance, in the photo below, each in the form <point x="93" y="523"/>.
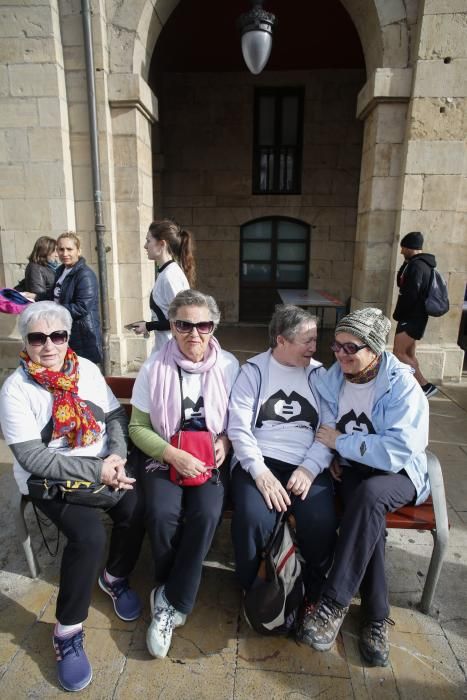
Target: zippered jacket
<point x="245" y="402"/>
<point x="413" y="280"/>
<point x="79" y="294"/>
<point x="400" y="417"/>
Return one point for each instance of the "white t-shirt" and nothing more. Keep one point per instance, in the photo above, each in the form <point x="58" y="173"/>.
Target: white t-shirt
<point x="288" y="418"/>
<point x="355" y="408"/>
<point x="191" y="386"/>
<point x="26" y="411"/>
<point x="170" y="281"/>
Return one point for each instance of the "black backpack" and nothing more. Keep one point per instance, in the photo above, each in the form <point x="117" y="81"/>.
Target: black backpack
<point x="272" y="603"/>
<point x="437" y="301"/>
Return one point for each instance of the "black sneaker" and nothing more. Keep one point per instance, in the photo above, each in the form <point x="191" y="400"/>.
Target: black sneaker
<point x="321" y="625"/>
<point x="373" y="641"/>
<point x="429" y="390"/>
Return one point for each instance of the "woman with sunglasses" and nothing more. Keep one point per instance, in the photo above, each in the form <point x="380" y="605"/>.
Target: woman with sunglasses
<point x="61" y="421"/>
<point x="380" y="439"/>
<point x="187" y="382"/>
<point x="171" y="248"/>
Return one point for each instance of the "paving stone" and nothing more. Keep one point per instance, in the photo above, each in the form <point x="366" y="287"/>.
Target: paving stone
<point x="425" y="667"/>
<point x="276" y="686"/>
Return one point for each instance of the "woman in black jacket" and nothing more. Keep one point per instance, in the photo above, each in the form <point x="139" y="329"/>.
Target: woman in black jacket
<point x="76" y="289"/>
<point x="39" y="276"/>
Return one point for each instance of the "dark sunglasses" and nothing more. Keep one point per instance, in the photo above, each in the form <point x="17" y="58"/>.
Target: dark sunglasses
<point x="203" y="327"/>
<point x="348" y="348"/>
<point x="37" y="339"/>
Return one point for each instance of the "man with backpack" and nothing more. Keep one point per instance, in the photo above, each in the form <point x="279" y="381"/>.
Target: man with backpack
<point x="413" y="280"/>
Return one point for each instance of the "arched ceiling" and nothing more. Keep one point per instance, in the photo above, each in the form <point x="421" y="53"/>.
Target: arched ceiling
<point x="204" y="37"/>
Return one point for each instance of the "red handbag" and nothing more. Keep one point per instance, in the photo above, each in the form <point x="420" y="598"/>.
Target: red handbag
<point x="200" y="444"/>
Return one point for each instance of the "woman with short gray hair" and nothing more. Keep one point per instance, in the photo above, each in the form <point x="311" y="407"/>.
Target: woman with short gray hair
<point x="274" y="413"/>
<point x="183" y="386"/>
<point x="62" y="422"/>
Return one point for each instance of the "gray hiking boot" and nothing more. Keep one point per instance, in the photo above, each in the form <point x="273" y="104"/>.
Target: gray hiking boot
<point x="321" y="626"/>
<point x="373" y="641"/>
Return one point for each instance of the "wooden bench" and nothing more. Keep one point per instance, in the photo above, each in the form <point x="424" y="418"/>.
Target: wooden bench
<point x="431" y="515"/>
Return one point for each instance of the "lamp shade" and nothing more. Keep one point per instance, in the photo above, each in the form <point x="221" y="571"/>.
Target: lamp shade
<point x="256" y="28"/>
<point x="256" y="49"/>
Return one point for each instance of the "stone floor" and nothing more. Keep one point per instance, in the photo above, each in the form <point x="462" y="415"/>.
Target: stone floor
<point x="216" y="655"/>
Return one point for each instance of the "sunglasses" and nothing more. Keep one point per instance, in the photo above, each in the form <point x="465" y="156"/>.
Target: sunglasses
<point x="348" y="348"/>
<point x="203" y="327"/>
<point x="38" y="339"/>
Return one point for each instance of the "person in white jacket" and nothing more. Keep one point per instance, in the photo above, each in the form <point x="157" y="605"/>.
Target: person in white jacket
<point x="274" y="413"/>
<point x="381" y="418"/>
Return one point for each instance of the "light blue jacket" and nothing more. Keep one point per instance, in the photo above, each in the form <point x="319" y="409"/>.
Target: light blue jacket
<point x="245" y="401"/>
<point x="400" y="418"/>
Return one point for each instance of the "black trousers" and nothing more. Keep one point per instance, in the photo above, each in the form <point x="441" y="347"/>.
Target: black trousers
<point x="253" y="522"/>
<point x="359" y="560"/>
<point x="86" y="540"/>
<point x="181" y="522"/>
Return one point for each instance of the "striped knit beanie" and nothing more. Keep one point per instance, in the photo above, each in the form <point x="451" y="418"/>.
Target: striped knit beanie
<point x="370" y="325"/>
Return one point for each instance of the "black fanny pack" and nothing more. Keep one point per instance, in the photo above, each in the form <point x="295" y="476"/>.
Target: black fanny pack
<point x="78" y="492"/>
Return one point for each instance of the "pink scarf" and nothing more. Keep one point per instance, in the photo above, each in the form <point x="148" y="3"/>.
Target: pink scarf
<point x="166" y="404"/>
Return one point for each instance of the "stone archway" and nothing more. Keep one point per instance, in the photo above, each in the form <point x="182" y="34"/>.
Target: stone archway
<point x="393" y="157"/>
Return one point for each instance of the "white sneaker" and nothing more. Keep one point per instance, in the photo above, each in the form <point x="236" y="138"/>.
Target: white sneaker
<point x="165" y="618"/>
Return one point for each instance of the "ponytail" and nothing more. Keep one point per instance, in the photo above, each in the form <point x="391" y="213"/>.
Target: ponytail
<point x="186" y="257"/>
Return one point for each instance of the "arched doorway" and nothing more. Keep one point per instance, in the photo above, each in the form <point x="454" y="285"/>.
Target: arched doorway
<point x="211" y="142"/>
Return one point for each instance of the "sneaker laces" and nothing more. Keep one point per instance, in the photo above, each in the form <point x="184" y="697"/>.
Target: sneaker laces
<point x="118" y="587"/>
<point x="69" y="645"/>
<point x="378" y="627"/>
<point x="327" y="610"/>
<point x="165" y="614"/>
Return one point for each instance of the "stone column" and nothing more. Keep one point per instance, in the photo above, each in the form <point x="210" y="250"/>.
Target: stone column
<point x="382" y="103"/>
<point x="133" y="109"/>
<point x="434" y="186"/>
<point x="35" y="166"/>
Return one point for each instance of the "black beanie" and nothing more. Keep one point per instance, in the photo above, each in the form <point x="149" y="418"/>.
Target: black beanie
<point x="413" y="240"/>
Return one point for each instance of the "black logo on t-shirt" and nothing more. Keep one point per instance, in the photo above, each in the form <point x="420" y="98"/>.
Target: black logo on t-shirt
<point x="350" y="423"/>
<point x="284" y="408"/>
<point x="193" y="410"/>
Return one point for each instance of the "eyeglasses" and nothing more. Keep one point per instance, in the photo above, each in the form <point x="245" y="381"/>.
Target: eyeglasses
<point x="38" y="339"/>
<point x="203" y="327"/>
<point x="348" y="348"/>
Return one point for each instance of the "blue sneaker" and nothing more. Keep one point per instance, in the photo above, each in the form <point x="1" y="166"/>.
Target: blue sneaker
<point x="74" y="669"/>
<point x="127" y="604"/>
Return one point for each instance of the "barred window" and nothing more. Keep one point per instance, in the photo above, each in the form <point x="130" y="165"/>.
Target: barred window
<point x="278" y="137"/>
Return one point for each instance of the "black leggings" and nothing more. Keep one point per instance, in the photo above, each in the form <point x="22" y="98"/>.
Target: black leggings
<point x="82" y="557"/>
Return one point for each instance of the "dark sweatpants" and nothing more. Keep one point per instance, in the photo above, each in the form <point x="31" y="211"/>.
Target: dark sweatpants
<point x="367" y="495"/>
<point x="86" y="539"/>
<point x="253" y="522"/>
<point x="181" y="522"/>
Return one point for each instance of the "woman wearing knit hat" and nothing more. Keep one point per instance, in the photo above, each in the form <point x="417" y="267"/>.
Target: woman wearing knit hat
<point x="380" y="439"/>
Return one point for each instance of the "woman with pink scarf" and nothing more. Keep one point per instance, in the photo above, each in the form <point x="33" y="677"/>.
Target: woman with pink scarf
<point x="187" y="383"/>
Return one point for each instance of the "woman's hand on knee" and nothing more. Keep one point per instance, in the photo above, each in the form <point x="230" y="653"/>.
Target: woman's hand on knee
<point x="300" y="482"/>
<point x="184" y="462"/>
<point x="272" y="491"/>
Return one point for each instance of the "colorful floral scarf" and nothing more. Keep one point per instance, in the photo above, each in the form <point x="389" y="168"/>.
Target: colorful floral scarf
<point x="71" y="416"/>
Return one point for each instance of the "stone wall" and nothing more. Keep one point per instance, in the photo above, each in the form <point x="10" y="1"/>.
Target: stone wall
<point x="207" y="143"/>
